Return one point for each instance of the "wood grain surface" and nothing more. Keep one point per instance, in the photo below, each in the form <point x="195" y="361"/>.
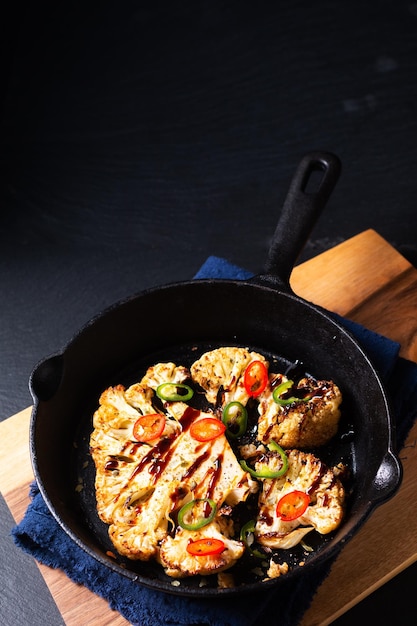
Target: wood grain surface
<point x="366" y="280"/>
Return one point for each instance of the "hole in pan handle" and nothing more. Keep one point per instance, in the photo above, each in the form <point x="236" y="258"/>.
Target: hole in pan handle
<point x="309" y="191"/>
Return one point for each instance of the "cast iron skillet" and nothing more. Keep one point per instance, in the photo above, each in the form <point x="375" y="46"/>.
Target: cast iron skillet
<point x="178" y="322"/>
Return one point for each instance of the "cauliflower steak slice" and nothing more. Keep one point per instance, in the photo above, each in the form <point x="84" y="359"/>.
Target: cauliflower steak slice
<point x="141" y="486"/>
<point x="308" y="474"/>
<point x="170" y="474"/>
<point x="311" y="420"/>
<point x="179" y="563"/>
<point x="113" y="447"/>
<point x="222" y="370"/>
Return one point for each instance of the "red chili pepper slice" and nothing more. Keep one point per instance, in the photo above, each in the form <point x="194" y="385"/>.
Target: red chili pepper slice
<point x="255" y="378"/>
<point x="207" y="428"/>
<point x="292" y="505"/>
<point x="205" y="546"/>
<point x="149" y="427"/>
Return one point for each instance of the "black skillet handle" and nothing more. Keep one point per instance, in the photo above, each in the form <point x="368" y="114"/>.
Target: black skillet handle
<point x="310" y="189"/>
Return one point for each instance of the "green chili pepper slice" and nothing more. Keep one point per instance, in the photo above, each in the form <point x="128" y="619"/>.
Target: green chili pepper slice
<point x="268" y="473"/>
<point x="274" y="447"/>
<point x="280" y="391"/>
<point x="197" y="513"/>
<point x="173" y="392"/>
<point x="247" y="531"/>
<point x="235" y="418"/>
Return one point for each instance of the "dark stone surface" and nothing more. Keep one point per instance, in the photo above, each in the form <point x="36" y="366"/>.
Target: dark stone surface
<point x="140" y="138"/>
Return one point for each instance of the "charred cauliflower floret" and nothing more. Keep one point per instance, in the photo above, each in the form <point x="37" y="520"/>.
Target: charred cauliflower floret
<point x="178" y="562"/>
<point x="307" y="417"/>
<point x="324" y="502"/>
<point x="222" y="371"/>
<point x="164" y="373"/>
<point x="114" y="410"/>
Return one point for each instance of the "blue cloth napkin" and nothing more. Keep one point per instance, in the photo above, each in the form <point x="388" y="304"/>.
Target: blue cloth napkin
<point x="41" y="536"/>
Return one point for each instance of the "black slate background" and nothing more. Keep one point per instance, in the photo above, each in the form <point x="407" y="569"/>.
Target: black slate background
<point x="138" y="138"/>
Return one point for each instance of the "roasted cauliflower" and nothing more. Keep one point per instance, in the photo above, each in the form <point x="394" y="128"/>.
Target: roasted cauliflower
<point x="221" y="371"/>
<point x="179" y="563"/>
<point x="140" y="486"/>
<point x="324" y="492"/>
<point x="309" y="421"/>
<point x="155" y="456"/>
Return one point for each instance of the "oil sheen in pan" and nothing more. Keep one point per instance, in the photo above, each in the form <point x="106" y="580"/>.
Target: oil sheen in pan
<point x="248" y="570"/>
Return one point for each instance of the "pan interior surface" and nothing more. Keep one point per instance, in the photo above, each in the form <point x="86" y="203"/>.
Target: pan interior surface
<point x="178" y="323"/>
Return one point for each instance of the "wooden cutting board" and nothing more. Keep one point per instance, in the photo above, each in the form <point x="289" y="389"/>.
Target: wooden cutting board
<point x="363" y="279"/>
